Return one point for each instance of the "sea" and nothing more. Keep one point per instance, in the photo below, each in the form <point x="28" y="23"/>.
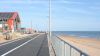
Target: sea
<point x="79" y="34"/>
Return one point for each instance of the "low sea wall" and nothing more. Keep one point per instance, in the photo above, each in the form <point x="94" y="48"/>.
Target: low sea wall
<point x="64" y="48"/>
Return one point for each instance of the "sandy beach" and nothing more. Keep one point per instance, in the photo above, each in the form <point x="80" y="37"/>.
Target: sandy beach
<point x="87" y="45"/>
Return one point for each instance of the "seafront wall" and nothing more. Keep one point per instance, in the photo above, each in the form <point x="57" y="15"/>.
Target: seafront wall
<point x="64" y="48"/>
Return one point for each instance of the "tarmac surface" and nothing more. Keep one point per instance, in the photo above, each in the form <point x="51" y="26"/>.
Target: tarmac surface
<point x="36" y="45"/>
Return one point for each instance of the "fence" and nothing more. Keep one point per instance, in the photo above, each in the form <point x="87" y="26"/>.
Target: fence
<point x="62" y="48"/>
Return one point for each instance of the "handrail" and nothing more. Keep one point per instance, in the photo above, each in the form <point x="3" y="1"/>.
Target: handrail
<point x="75" y="48"/>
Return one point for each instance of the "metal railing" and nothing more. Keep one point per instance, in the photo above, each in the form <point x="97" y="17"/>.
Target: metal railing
<point x="62" y="48"/>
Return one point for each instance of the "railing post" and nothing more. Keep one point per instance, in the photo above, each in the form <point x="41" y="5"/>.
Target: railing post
<point x="63" y="48"/>
<point x="70" y="50"/>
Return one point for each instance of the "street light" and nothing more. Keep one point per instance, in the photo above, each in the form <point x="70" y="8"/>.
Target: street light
<point x="49" y="19"/>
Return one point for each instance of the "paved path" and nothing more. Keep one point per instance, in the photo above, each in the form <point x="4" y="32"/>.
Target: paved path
<point x="35" y="46"/>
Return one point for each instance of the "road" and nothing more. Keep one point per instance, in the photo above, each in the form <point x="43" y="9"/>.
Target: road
<point x="36" y="45"/>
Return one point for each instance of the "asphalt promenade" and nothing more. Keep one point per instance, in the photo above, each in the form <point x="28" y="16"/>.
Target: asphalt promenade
<point x="36" y="45"/>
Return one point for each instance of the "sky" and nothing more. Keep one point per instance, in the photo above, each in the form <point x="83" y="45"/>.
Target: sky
<point x="66" y="15"/>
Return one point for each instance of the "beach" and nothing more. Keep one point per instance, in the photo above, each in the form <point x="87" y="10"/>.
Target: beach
<point x="87" y="45"/>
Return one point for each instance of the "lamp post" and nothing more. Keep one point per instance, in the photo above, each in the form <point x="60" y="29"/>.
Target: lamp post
<point x="49" y="31"/>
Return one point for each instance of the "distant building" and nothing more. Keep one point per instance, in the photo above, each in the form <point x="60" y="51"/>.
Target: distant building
<point x="9" y="21"/>
<point x="28" y="30"/>
<point x="23" y="30"/>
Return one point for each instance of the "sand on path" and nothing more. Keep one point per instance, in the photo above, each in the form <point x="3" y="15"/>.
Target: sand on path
<point x="14" y="36"/>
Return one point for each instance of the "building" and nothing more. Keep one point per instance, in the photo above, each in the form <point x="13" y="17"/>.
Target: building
<point x="9" y="21"/>
<point x="28" y="30"/>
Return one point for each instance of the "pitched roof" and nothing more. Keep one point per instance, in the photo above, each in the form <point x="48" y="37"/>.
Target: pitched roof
<point x="9" y="15"/>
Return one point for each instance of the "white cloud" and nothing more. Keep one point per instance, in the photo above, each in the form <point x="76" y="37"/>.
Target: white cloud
<point x="96" y="7"/>
<point x="78" y="10"/>
<point x="67" y="2"/>
<point x="38" y="1"/>
<point x="65" y="9"/>
<point x="22" y="2"/>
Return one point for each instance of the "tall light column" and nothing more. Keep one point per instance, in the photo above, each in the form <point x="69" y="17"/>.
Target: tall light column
<point x="49" y="19"/>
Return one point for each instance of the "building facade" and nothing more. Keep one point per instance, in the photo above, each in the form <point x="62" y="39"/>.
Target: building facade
<point x="9" y="21"/>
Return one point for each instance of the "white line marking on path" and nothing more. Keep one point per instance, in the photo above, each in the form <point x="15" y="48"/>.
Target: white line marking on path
<point x="19" y="46"/>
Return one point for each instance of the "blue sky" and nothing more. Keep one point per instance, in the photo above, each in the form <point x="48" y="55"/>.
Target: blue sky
<point x="67" y="15"/>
